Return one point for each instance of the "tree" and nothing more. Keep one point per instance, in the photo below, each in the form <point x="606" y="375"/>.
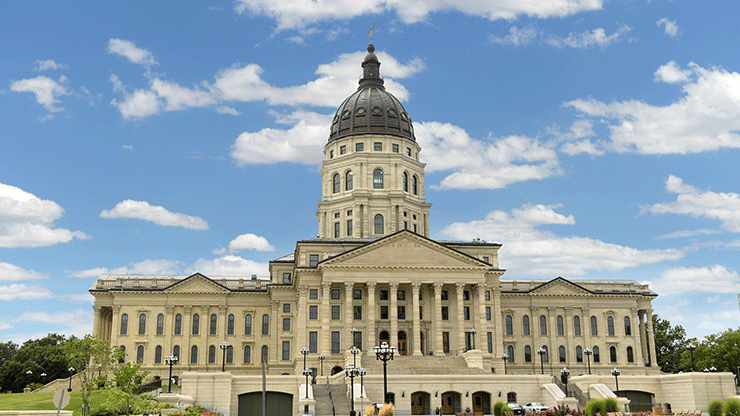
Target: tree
<point x="128" y="380"/>
<point x="670" y="343"/>
<point x="44" y="355"/>
<point x="90" y="356"/>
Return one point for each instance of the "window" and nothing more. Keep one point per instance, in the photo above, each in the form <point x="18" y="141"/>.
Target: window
<point x="194" y="354"/>
<point x="510" y="353"/>
<point x="401" y="295"/>
<point x="264" y="354"/>
<point x="445" y="295"/>
<point x="337" y="230"/>
<point x="630" y="355"/>
<point x="613" y="354"/>
<point x="178" y="324"/>
<point x="378" y="146"/>
<point x="579" y="354"/>
<point x="336" y="294"/>
<point x="313" y="312"/>
<point x="286" y="324"/>
<point x="414" y="186"/>
<point x="561" y="329"/>
<point x="378" y="224"/>
<point x="124" y="324"/>
<point x="230" y="325"/>
<point x="286" y="350"/>
<point x="466" y="313"/>
<point x="342" y="150"/>
<point x="349" y="228"/>
<point x="313" y="342"/>
<point x="405" y="182"/>
<point x="359" y="147"/>
<point x="378" y="179"/>
<point x="286" y="307"/>
<point x="313" y="293"/>
<point x="543" y="325"/>
<point x="446" y="342"/>
<point x="313" y="260"/>
<point x="214" y="324"/>
<point x="415" y="228"/>
<point x="348" y="182"/>
<point x="140" y="354"/>
<point x="357" y="339"/>
<point x="488" y="313"/>
<point x="627" y="326"/>
<point x="383" y="312"/>
<point x="597" y="356"/>
<point x="408" y="151"/>
<point x="395" y="148"/>
<point x="466" y="295"/>
<point x="594" y="327"/>
<point x="123" y="355"/>
<point x="248" y="325"/>
<point x="160" y="324"/>
<point x="357" y="294"/>
<point x="286" y="279"/>
<point x="421" y="309"/>
<point x="509" y="326"/>
<point x="335" y="312"/>
<point x="331" y="154"/>
<point x="383" y="294"/>
<point x="229" y="355"/>
<point x="525" y="325"/>
<point x="176" y="351"/>
<point x="158" y="355"/>
<point x="546" y="355"/>
<point x="335" y="341"/>
<point x="561" y="354"/>
<point x="527" y="354"/>
<point x="265" y="324"/>
<point x="577" y="325"/>
<point x="486" y="259"/>
<point x="357" y="313"/>
<point x="247" y="354"/>
<point x="142" y="324"/>
<point x="405" y="225"/>
<point x="196" y="324"/>
<point x="610" y="325"/>
<point x="445" y="313"/>
<point x="336" y="183"/>
<point x="212" y="354"/>
<point x="401" y="313"/>
<point x="488" y="295"/>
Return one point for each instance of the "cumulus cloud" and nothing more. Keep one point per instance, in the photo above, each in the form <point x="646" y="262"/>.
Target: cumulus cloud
<point x="595" y="38"/>
<point x="48" y="64"/>
<point x="76" y="323"/>
<point x="706" y="118"/>
<point x="10" y="272"/>
<point x="227" y="110"/>
<point x="141" y="210"/>
<point x="529" y="251"/>
<point x="28" y="221"/>
<point x="250" y="242"/>
<point x="715" y="279"/>
<point x="128" y="50"/>
<point x="127" y="147"/>
<point x="671" y="28"/>
<point x="146" y="267"/>
<point x="697" y="203"/>
<point x="291" y="15"/>
<point x="138" y="104"/>
<point x="517" y="36"/>
<point x="44" y="88"/>
<point x="229" y="265"/>
<point x="672" y="73"/>
<point x="24" y="292"/>
<point x="178" y="98"/>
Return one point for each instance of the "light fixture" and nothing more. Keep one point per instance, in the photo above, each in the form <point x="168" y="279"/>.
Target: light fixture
<point x="467" y="393"/>
<point x="403" y="393"/>
<point x="499" y="392"/>
<point x="436" y="393"/>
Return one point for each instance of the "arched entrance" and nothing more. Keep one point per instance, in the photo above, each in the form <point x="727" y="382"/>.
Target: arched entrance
<point x="279" y="404"/>
<point x="420" y="403"/>
<point x="403" y="344"/>
<point x="482" y="402"/>
<point x="384" y="336"/>
<point x="450" y="403"/>
<point x="336" y="370"/>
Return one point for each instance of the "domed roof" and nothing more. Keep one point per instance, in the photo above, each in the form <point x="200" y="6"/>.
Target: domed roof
<point x="371" y="109"/>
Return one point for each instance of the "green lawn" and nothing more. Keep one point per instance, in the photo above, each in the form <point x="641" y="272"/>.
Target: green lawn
<point x="42" y="401"/>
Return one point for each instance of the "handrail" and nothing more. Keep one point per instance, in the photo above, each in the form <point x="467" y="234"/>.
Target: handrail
<point x="331" y="397"/>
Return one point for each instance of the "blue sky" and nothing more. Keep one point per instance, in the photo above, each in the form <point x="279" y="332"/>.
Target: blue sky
<point x="593" y="139"/>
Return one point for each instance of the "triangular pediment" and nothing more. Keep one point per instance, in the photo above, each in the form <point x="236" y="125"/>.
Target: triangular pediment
<point x="560" y="286"/>
<point x="196" y="283"/>
<point x="405" y="250"/>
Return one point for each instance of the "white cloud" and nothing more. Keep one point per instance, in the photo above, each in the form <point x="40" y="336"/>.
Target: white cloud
<point x="697" y="203"/>
<point x="128" y="50"/>
<point x="48" y="64"/>
<point x="229" y="265"/>
<point x="250" y="242"/>
<point x="141" y="210"/>
<point x="672" y="73"/>
<point x="127" y="147"/>
<point x="688" y="233"/>
<point x="529" y="251"/>
<point x="28" y="221"/>
<point x="706" y="118"/>
<point x="712" y="299"/>
<point x="227" y="110"/>
<point x="24" y="292"/>
<point x="141" y="103"/>
<point x="291" y="15"/>
<point x="146" y="267"/>
<point x="517" y="36"/>
<point x="179" y="98"/>
<point x="10" y="272"/>
<point x="76" y="323"/>
<point x="715" y="279"/>
<point x="596" y="37"/>
<point x="671" y="28"/>
<point x="44" y="88"/>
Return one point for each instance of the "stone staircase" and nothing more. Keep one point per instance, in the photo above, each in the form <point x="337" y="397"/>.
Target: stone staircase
<point x="324" y="402"/>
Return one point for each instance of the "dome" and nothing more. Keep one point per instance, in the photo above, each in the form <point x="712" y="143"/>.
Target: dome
<point x="371" y="109"/>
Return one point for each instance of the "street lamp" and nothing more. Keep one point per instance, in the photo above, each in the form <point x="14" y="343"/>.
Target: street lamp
<point x="472" y="333"/>
<point x="351" y="371"/>
<point x="170" y="360"/>
<point x="29" y="373"/>
<point x="385" y="354"/>
<point x="691" y="347"/>
<point x="616" y="373"/>
<point x="588" y="353"/>
<point x="363" y="373"/>
<point x="541" y="351"/>
<point x="223" y="345"/>
<point x="505" y="357"/>
<point x="306" y="371"/>
<point x="564" y="373"/>
<point x="354" y="331"/>
<point x="71" y="370"/>
<point x="354" y="350"/>
<point x="321" y="361"/>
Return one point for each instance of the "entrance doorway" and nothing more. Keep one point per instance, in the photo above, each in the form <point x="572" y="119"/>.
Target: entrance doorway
<point x="420" y="403"/>
<point x="482" y="402"/>
<point x="402" y="343"/>
<point x="384" y="336"/>
<point x="280" y="404"/>
<point x="450" y="403"/>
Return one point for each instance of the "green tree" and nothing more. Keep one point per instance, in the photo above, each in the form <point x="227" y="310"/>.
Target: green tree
<point x="670" y="343"/>
<point x="44" y="355"/>
<point x="90" y="357"/>
<point x="128" y="380"/>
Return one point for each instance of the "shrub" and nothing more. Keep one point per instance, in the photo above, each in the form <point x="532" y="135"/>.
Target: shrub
<point x="715" y="408"/>
<point x="611" y="405"/>
<point x="387" y="410"/>
<point x="195" y="410"/>
<point x="595" y="408"/>
<point x="732" y="407"/>
<point x="498" y="409"/>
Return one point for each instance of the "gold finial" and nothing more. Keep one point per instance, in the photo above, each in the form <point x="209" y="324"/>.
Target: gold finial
<point x="372" y="29"/>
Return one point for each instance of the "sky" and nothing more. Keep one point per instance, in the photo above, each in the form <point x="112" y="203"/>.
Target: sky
<point x="594" y="139"/>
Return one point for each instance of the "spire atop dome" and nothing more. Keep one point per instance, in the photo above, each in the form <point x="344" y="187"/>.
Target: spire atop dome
<point x="371" y="69"/>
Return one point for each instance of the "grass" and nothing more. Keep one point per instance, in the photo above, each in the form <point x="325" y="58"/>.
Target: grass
<point x="42" y="401"/>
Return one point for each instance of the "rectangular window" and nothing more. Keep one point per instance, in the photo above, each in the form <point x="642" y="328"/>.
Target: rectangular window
<point x="446" y="342"/>
<point x="313" y="341"/>
<point x="358" y="313"/>
<point x="342" y="150"/>
<point x="488" y="313"/>
<point x="357" y="340"/>
<point x="313" y="260"/>
<point x="405" y="225"/>
<point x="415" y="228"/>
<point x="286" y="307"/>
<point x="395" y="148"/>
<point x="488" y="295"/>
<point x="383" y="312"/>
<point x="357" y="294"/>
<point x="336" y="215"/>
<point x="337" y="230"/>
<point x="335" y="312"/>
<point x="331" y="154"/>
<point x="286" y="279"/>
<point x="313" y="293"/>
<point x="286" y="324"/>
<point x="421" y="309"/>
<point x="335" y="294"/>
<point x="383" y="294"/>
<point x="335" y="342"/>
<point x="378" y="146"/>
<point x="313" y="312"/>
<point x="445" y="313"/>
<point x="445" y="295"/>
<point x="408" y="151"/>
<point x="349" y="212"/>
<point x="466" y="295"/>
<point x="286" y="350"/>
<point x="401" y="295"/>
<point x="401" y="313"/>
<point x="349" y="228"/>
<point x="359" y="147"/>
<point x="485" y="258"/>
<point x="466" y="313"/>
<point x="490" y="342"/>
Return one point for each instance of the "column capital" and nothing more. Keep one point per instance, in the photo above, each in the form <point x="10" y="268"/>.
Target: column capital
<point x="222" y="309"/>
<point x="97" y="308"/>
<point x="415" y="286"/>
<point x="437" y="285"/>
<point x="170" y="308"/>
<point x="585" y="311"/>
<point x="460" y="285"/>
<point x="188" y="308"/>
<point x="204" y="308"/>
<point x="349" y="284"/>
<point x="302" y="290"/>
<point x="116" y="308"/>
<point x="393" y="285"/>
<point x="326" y="285"/>
<point x="371" y="285"/>
<point x="535" y="310"/>
<point x="274" y="304"/>
<point x="551" y="310"/>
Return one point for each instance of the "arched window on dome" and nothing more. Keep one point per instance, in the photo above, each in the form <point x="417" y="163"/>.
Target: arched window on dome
<point x="348" y="180"/>
<point x="405" y="182"/>
<point x="336" y="181"/>
<point x="378" y="179"/>
<point x="378" y="224"/>
<point x="414" y="185"/>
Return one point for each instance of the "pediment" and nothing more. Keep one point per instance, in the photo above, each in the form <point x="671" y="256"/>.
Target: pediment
<point x="196" y="283"/>
<point x="560" y="286"/>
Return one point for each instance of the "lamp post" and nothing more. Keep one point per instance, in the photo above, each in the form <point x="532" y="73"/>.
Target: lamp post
<point x="385" y="354"/>
<point x="354" y="331"/>
<point x="71" y="370"/>
<point x="351" y="371"/>
<point x="170" y="360"/>
<point x="321" y="361"/>
<point x="472" y="333"/>
<point x="564" y="373"/>
<point x="354" y="350"/>
<point x="304" y="351"/>
<point x="362" y="371"/>
<point x="223" y="345"/>
<point x="616" y="373"/>
<point x="29" y="373"/>
<point x="505" y="357"/>
<point x="588" y="353"/>
<point x="306" y="372"/>
<point x="541" y="351"/>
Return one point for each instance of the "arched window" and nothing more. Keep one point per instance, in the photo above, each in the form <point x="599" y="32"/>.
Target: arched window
<point x="577" y="325"/>
<point x="509" y="326"/>
<point x="160" y="324"/>
<point x="176" y="351"/>
<point x="230" y="327"/>
<point x="336" y="182"/>
<point x="229" y="354"/>
<point x="178" y="324"/>
<point x="264" y="353"/>
<point x="214" y="324"/>
<point x="610" y="325"/>
<point x="379" y="224"/>
<point x="561" y="328"/>
<point x="525" y="325"/>
<point x="196" y="324"/>
<point x="546" y="355"/>
<point x="142" y="324"/>
<point x="248" y="325"/>
<point x="158" y="355"/>
<point x="123" y="354"/>
<point x="527" y="354"/>
<point x="348" y="180"/>
<point x="212" y="354"/>
<point x="597" y="355"/>
<point x="124" y="324"/>
<point x="594" y="327"/>
<point x="630" y="355"/>
<point x="414" y="185"/>
<point x="265" y="325"/>
<point x="378" y="179"/>
<point x="405" y="182"/>
<point x="627" y="326"/>
<point x="561" y="353"/>
<point x="579" y="354"/>
<point x="140" y="354"/>
<point x="510" y="353"/>
<point x="613" y="354"/>
<point x="247" y="354"/>
<point x="543" y="325"/>
<point x="194" y="354"/>
<point x="511" y="397"/>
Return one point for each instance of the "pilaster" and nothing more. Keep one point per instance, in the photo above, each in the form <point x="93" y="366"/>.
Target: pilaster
<point x="416" y="337"/>
<point x="436" y="324"/>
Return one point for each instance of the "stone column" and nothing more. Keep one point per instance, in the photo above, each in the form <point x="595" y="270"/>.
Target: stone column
<point x="169" y="330"/>
<point x="459" y="287"/>
<point x="437" y="323"/>
<point x="187" y="330"/>
<point x="370" y="318"/>
<point x="651" y="337"/>
<point x="115" y="326"/>
<point x="416" y="337"/>
<point x="498" y="330"/>
<point x="636" y="338"/>
<point x="205" y="330"/>
<point x="301" y="321"/>
<point x="275" y="330"/>
<point x="394" y="314"/>
<point x="570" y="349"/>
<point x="643" y="341"/>
<point x="221" y="330"/>
<point x="325" y="316"/>
<point x="482" y="322"/>
<point x="97" y="321"/>
<point x="348" y="312"/>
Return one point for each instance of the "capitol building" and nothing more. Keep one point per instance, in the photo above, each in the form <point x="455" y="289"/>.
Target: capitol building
<point x="465" y="336"/>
